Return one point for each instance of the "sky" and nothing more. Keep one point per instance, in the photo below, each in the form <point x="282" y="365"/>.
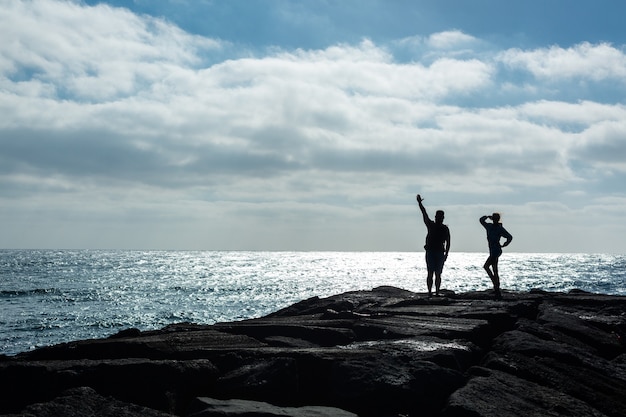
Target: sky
<point x="311" y="125"/>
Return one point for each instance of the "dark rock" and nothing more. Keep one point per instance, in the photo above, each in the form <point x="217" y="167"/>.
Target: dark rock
<point x="166" y="385"/>
<point x="499" y="394"/>
<point x="210" y="407"/>
<point x="272" y="379"/>
<point x="589" y="327"/>
<point x="166" y="344"/>
<point x="83" y="401"/>
<point x="309" y="328"/>
<point x="382" y="385"/>
<point x="384" y="352"/>
<point x="132" y="332"/>
<point x="564" y="364"/>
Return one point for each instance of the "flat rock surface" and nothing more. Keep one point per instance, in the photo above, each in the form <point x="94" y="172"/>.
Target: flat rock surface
<point x="384" y="352"/>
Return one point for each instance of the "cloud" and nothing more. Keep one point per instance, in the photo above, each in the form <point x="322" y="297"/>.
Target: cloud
<point x="450" y="39"/>
<point x="129" y="117"/>
<point x="90" y="53"/>
<point x="603" y="145"/>
<point x="596" y="62"/>
<point x="563" y="114"/>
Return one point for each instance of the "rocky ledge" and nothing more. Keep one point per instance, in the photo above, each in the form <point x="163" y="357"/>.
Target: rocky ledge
<point x="385" y="352"/>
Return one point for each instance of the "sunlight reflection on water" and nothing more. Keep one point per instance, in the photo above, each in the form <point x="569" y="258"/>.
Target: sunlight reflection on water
<point x="53" y="296"/>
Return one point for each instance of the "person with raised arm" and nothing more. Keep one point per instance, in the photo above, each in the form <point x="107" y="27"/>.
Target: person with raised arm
<point x="437" y="246"/>
<point x="495" y="231"/>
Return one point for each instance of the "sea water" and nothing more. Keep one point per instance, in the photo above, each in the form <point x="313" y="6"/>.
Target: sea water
<point x="53" y="296"/>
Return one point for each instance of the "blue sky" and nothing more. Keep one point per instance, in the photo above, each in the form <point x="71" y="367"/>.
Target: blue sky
<point x="311" y="125"/>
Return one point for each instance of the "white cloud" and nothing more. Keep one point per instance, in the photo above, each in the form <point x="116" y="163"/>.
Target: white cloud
<point x="583" y="113"/>
<point x="450" y="39"/>
<point x="595" y="62"/>
<point x="603" y="145"/>
<point x="120" y="116"/>
<point x="94" y="53"/>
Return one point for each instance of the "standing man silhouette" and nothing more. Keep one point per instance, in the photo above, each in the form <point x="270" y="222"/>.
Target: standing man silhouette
<point x="495" y="231"/>
<point x="437" y="246"/>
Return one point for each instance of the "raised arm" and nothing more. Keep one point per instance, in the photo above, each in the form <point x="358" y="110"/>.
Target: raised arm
<point x="483" y="220"/>
<point x="423" y="209"/>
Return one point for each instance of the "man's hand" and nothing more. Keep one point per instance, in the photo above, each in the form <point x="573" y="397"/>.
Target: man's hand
<point x="419" y="198"/>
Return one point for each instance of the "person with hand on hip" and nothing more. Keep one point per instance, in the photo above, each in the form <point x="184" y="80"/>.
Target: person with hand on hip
<point x="495" y="231"/>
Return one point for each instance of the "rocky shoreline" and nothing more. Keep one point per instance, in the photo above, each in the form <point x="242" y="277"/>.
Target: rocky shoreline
<point x="384" y="352"/>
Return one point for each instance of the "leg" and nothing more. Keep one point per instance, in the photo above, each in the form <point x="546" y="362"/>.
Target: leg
<point x="487" y="267"/>
<point x="441" y="259"/>
<point x="430" y="268"/>
<point x="496" y="277"/>
<point x="437" y="281"/>
<point x="429" y="282"/>
<point x="491" y="266"/>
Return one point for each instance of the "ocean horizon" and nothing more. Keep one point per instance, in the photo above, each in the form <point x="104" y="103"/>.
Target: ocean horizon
<point x="51" y="296"/>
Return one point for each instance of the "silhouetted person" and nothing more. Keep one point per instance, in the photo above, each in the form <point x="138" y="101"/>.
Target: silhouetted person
<point x="437" y="246"/>
<point x="495" y="231"/>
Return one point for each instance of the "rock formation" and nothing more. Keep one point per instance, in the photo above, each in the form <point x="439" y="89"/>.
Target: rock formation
<point x="384" y="352"/>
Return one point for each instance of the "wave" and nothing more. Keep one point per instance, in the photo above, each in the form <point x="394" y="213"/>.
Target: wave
<point x="28" y="293"/>
<point x="88" y="294"/>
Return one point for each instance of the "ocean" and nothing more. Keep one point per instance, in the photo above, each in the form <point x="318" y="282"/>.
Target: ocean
<point x="53" y="296"/>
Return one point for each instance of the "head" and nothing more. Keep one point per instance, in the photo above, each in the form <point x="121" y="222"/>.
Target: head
<point x="439" y="216"/>
<point x="495" y="217"/>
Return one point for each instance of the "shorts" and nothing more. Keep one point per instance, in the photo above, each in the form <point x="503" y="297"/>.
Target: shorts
<point x="435" y="260"/>
<point x="495" y="251"/>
